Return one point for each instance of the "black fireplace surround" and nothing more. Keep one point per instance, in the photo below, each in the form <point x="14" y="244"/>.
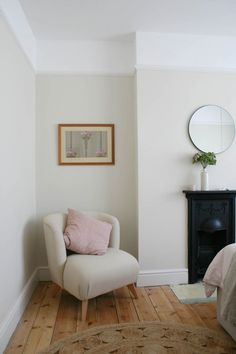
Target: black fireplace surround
<point x="211" y="226"/>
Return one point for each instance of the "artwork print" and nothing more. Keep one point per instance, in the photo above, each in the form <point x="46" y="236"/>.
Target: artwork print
<point x="86" y="144"/>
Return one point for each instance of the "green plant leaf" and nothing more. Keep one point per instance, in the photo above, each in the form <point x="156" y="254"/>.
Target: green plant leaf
<point x="205" y="158"/>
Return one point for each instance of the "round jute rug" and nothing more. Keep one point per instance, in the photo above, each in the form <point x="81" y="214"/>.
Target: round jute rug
<point x="145" y="338"/>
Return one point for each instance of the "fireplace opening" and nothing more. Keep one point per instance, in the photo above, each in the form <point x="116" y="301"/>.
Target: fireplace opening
<point x="211" y="238"/>
<point x="208" y="245"/>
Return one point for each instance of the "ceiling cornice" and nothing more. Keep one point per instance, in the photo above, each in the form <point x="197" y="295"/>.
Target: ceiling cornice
<point x="189" y="52"/>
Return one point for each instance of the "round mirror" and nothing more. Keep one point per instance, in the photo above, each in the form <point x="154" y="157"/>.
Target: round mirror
<point x="211" y="128"/>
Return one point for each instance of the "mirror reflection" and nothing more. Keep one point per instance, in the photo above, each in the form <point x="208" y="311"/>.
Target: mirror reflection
<point x="211" y="128"/>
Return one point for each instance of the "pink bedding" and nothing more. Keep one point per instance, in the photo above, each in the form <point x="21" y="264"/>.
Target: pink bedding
<point x="217" y="270"/>
<point x="221" y="273"/>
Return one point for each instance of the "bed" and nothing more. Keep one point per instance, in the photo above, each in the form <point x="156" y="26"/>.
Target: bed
<point x="221" y="274"/>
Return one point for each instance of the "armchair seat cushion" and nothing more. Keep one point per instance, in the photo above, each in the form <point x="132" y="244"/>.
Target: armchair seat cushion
<point x="87" y="276"/>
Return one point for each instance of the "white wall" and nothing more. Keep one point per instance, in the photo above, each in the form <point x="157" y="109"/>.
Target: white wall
<point x="86" y="99"/>
<point x="97" y="57"/>
<point x="165" y="101"/>
<point x="17" y="176"/>
<point x="181" y="51"/>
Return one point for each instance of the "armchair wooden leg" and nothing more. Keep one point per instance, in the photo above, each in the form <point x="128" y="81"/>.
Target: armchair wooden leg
<point x="84" y="310"/>
<point x="132" y="289"/>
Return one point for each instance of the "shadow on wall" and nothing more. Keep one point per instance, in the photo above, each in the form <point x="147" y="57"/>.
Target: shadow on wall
<point x="29" y="249"/>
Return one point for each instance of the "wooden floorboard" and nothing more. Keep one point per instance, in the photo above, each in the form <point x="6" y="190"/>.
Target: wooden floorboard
<point x="42" y="331"/>
<point x="66" y="320"/>
<point x="144" y="307"/>
<point x="53" y="314"/>
<point x="125" y="308"/>
<point x="163" y="306"/>
<point x="18" y="341"/>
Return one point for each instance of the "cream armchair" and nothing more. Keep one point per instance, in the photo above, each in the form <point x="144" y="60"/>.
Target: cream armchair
<point x="87" y="276"/>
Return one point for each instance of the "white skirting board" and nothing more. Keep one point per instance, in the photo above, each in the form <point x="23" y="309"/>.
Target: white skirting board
<point x="12" y="319"/>
<point x="162" y="277"/>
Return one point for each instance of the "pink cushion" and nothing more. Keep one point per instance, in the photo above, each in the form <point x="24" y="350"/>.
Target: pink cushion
<point x="86" y="235"/>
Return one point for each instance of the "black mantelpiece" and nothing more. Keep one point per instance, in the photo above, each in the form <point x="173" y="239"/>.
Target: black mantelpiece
<point x="211" y="226"/>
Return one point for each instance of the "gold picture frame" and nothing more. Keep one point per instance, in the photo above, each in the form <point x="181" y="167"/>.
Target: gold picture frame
<point x="86" y="144"/>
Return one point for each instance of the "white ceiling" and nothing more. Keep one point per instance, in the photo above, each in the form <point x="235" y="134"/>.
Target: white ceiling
<point x="118" y="19"/>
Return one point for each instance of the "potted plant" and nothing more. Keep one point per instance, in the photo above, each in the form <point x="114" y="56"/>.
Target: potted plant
<point x="205" y="159"/>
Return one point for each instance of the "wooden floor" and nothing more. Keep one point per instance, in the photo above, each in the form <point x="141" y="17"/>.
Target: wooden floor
<point x="53" y="314"/>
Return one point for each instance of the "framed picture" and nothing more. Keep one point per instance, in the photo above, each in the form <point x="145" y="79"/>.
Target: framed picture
<point x="86" y="144"/>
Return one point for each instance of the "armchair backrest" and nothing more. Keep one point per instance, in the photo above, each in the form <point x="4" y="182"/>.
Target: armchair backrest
<point x="54" y="226"/>
<point x="114" y="241"/>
